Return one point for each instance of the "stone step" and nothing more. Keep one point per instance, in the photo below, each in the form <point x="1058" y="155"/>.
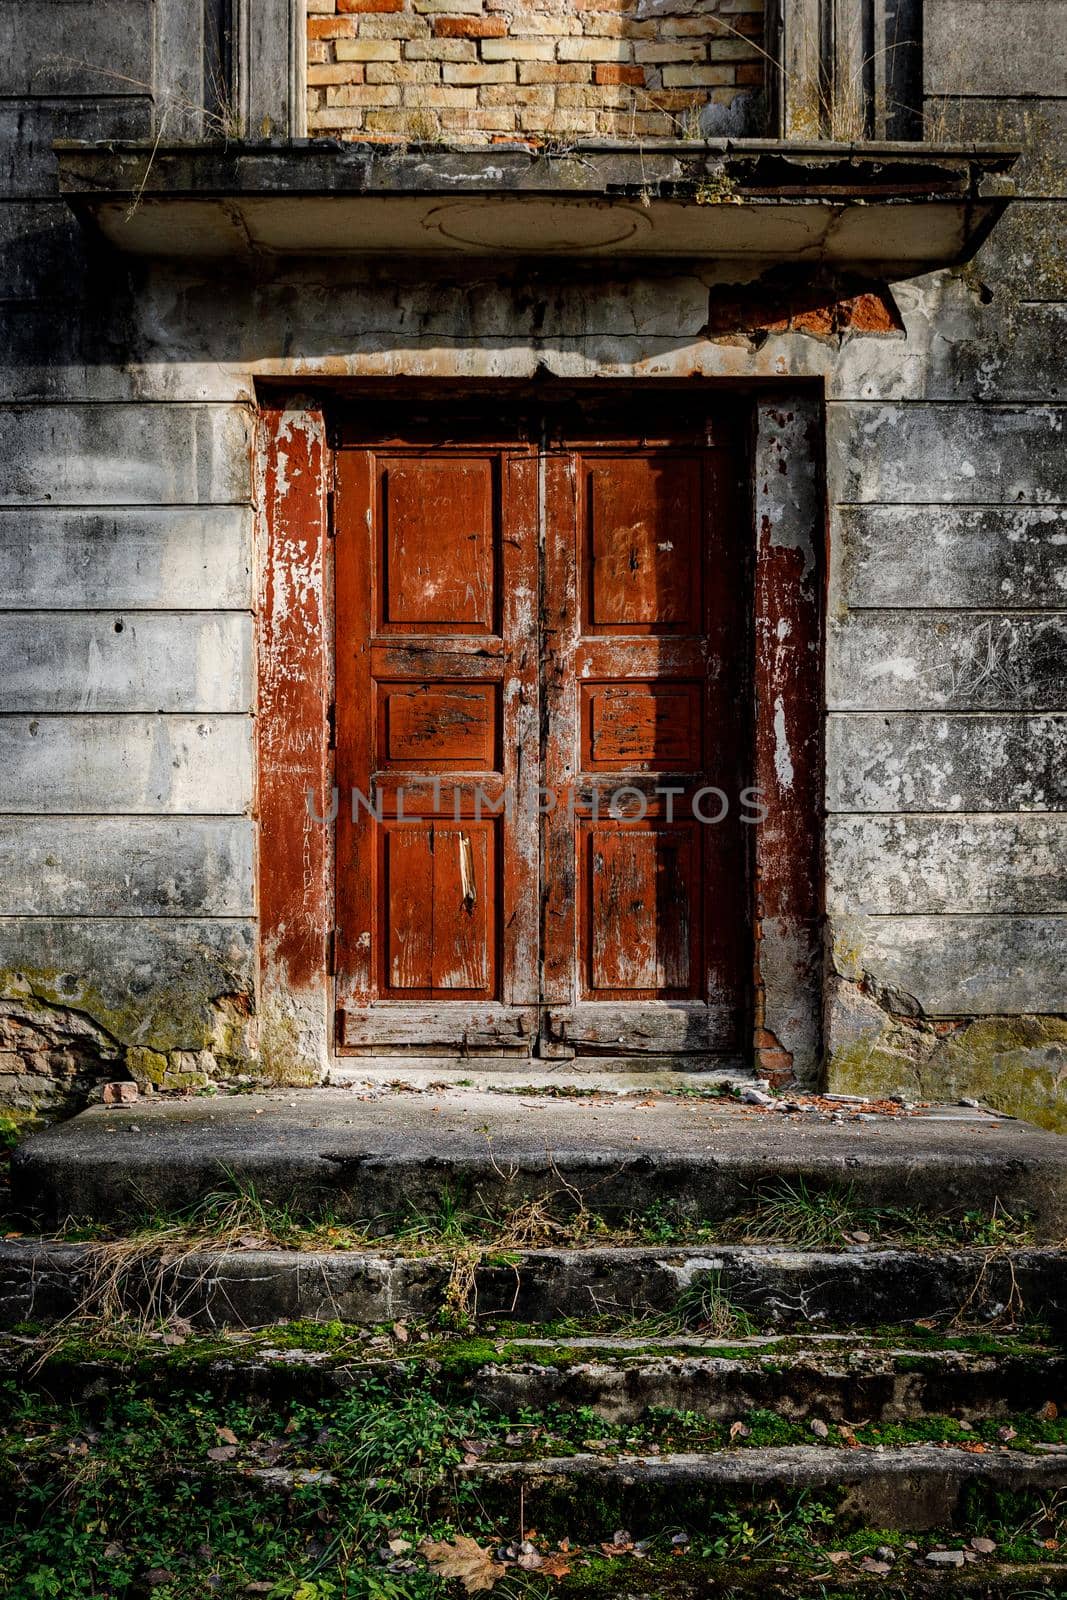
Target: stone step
<point x="838" y="1384"/>
<point x="768" y="1580"/>
<point x="829" y="1379"/>
<point x="380" y="1153"/>
<point x="589" y="1075"/>
<point x="913" y="1488"/>
<point x="660" y="1516"/>
<point x="44" y="1281"/>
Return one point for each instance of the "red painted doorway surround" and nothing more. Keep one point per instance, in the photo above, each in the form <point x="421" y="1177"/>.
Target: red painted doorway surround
<point x="550" y="643"/>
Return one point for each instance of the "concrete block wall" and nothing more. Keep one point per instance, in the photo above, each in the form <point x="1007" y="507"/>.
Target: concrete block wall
<point x="946" y="842"/>
<point x="479" y="70"/>
<point x="126" y="885"/>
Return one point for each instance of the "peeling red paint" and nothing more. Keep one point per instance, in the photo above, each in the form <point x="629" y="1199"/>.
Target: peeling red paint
<point x="293" y="701"/>
<point x="788" y="752"/>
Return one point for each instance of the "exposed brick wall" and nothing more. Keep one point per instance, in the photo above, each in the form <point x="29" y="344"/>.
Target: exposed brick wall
<point x="479" y="70"/>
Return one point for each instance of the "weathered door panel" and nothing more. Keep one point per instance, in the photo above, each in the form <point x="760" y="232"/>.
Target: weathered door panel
<point x="545" y="869"/>
<point x="436" y="721"/>
<point x="645" y="619"/>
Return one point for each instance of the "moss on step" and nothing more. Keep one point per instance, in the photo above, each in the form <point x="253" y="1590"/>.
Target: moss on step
<point x="455" y="1360"/>
<point x="220" y="1493"/>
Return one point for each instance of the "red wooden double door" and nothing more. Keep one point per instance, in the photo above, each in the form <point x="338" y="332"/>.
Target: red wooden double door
<point x="541" y="736"/>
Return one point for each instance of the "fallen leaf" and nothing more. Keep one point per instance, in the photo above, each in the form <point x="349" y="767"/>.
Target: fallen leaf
<point x="1051" y="1544"/>
<point x="738" y="1431"/>
<point x="224" y="1452"/>
<point x="226" y="1436"/>
<point x="985" y="1547"/>
<point x="464" y="1559"/>
<point x="837" y="1556"/>
<point x="531" y="1561"/>
<point x="400" y="1333"/>
<point x="399" y="1546"/>
<point x="867" y="1565"/>
<point x="1005" y="1435"/>
<point x="1049" y="1412"/>
<point x="555" y="1566"/>
<point x="819" y="1428"/>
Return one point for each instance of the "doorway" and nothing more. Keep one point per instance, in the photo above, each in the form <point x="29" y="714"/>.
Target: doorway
<point x="543" y="730"/>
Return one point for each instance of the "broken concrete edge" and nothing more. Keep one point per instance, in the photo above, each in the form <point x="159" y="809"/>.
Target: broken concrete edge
<point x="879" y="1043"/>
<point x="349" y="1157"/>
<point x="666" y="168"/>
<point x="824" y="1378"/>
<point x="689" y="203"/>
<point x="44" y="1281"/>
<point x="55" y="1056"/>
<point x="917" y="1488"/>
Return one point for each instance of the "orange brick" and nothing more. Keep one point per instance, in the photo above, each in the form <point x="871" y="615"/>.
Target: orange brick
<point x="470" y="27"/>
<point x="370" y="5"/>
<point x="612" y="72"/>
<point x="331" y="28"/>
<point x="749" y="72"/>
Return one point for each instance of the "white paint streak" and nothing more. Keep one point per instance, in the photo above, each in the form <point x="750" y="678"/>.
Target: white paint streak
<point x="783" y="759"/>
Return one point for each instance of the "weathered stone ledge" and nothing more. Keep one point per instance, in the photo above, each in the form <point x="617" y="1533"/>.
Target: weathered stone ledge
<point x="43" y="1281"/>
<point x="896" y="208"/>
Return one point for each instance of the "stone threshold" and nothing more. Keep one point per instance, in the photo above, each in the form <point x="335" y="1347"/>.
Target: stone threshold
<point x="374" y="1151"/>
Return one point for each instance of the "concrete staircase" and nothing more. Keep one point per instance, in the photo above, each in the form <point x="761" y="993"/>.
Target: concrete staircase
<point x="897" y="1399"/>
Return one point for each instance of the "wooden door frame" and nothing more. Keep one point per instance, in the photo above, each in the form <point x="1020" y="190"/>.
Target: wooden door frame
<point x="294" y="717"/>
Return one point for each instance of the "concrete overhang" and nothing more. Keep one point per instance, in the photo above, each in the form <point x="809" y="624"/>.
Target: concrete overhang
<point x="883" y="209"/>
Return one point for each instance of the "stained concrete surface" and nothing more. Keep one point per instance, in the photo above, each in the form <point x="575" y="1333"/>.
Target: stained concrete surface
<point x="367" y="1152"/>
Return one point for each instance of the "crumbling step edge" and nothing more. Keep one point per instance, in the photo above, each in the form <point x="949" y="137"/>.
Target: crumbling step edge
<point x="863" y="1286"/>
<point x="857" y="1381"/>
<point x="914" y="1488"/>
